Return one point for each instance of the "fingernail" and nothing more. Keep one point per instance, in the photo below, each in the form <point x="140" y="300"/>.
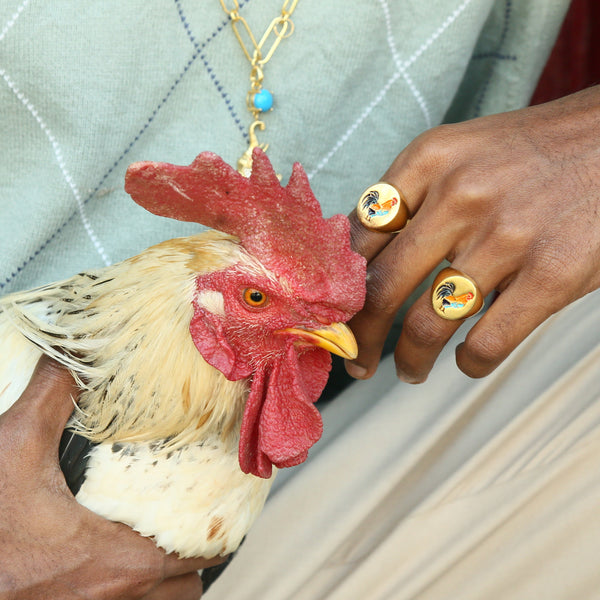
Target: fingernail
<point x="406" y="378"/>
<point x="355" y="370"/>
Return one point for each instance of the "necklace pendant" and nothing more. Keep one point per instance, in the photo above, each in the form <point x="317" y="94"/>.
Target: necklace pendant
<point x="244" y="164"/>
<point x="263" y="100"/>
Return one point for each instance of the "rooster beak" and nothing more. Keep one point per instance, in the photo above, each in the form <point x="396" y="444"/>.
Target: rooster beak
<point x="335" y="338"/>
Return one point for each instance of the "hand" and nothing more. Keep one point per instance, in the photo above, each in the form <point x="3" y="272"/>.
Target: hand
<point x="51" y="546"/>
<point x="513" y="200"/>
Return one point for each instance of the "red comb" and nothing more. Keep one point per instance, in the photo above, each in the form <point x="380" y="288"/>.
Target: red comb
<point x="283" y="226"/>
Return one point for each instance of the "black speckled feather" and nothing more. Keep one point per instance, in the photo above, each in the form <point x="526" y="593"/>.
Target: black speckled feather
<point x="73" y="456"/>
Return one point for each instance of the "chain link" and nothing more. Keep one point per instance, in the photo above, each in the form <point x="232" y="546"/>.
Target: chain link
<point x="280" y="28"/>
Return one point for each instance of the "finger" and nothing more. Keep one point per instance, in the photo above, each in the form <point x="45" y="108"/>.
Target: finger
<point x="398" y="263"/>
<point x="410" y="173"/>
<point x="425" y="333"/>
<point x="174" y="566"/>
<point x="392" y="276"/>
<point x="365" y="242"/>
<point x="517" y="311"/>
<point x="45" y="405"/>
<point x="183" y="587"/>
<point x="368" y="242"/>
<point x="135" y="562"/>
<point x="50" y="387"/>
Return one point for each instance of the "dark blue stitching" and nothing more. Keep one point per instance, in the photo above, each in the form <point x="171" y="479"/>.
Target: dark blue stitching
<point x="128" y="148"/>
<point x="234" y="115"/>
<point x="495" y="55"/>
<point x="505" y="27"/>
<point x="35" y="255"/>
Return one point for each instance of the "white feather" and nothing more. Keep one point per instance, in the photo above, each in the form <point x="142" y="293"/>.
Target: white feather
<point x="18" y="360"/>
<point x="195" y="501"/>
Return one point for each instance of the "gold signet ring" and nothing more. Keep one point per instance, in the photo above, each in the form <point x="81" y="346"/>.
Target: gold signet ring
<point x="455" y="295"/>
<point x="382" y="207"/>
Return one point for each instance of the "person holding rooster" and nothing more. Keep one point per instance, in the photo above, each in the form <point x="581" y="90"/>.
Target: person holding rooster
<point x="477" y="483"/>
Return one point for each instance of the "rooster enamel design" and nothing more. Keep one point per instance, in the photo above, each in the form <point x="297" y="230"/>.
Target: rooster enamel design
<point x="445" y="293"/>
<point x="454" y="295"/>
<point x="200" y="359"/>
<point x="373" y="207"/>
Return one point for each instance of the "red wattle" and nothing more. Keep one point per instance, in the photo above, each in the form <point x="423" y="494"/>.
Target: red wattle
<point x="280" y="421"/>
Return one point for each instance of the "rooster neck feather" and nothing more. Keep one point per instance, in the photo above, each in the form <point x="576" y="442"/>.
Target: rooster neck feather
<point x="126" y="350"/>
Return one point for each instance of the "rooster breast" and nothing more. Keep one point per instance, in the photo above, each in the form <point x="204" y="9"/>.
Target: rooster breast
<point x="195" y="500"/>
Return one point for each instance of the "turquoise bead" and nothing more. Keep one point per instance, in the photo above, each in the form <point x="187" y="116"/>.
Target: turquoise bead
<point x="263" y="100"/>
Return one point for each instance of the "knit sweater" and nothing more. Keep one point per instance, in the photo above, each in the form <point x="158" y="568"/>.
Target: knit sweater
<point x="86" y="90"/>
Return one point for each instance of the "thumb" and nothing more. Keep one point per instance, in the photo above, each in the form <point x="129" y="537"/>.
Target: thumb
<point x="47" y="402"/>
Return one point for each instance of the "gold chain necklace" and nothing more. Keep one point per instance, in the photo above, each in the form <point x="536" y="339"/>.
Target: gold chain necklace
<point x="259" y="99"/>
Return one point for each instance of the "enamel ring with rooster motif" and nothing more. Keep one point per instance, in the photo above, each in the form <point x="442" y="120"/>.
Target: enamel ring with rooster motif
<point x="455" y="296"/>
<point x="382" y="207"/>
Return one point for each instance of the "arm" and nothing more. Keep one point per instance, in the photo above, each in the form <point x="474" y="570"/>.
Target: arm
<point x="50" y="546"/>
<point x="511" y="199"/>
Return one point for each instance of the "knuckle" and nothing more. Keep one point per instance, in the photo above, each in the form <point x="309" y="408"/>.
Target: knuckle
<point x="381" y="296"/>
<point x="54" y="377"/>
<point x="135" y="589"/>
<point x="554" y="259"/>
<point x="464" y="194"/>
<point x="510" y="235"/>
<point x="52" y="370"/>
<point x="425" y="328"/>
<point x="137" y="577"/>
<point x="435" y="147"/>
<point x="485" y="348"/>
<point x="554" y="274"/>
<point x="131" y="584"/>
<point x="430" y="152"/>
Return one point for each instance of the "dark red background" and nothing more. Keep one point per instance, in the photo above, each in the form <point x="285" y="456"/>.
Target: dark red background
<point x="575" y="61"/>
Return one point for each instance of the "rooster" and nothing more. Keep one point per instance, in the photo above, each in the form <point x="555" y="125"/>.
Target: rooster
<point x="200" y="359"/>
<point x="376" y="208"/>
<point x="445" y="293"/>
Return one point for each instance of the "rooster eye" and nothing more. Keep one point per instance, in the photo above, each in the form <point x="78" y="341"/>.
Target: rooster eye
<point x="254" y="298"/>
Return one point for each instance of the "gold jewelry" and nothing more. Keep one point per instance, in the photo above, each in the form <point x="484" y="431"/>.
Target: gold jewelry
<point x="455" y="296"/>
<point x="259" y="99"/>
<point x="382" y="207"/>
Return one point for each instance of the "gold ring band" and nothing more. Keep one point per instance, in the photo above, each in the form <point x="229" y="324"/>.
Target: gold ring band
<point x="382" y="207"/>
<point x="455" y="295"/>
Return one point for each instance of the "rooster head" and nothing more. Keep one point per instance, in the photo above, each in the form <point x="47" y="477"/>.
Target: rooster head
<point x="276" y="311"/>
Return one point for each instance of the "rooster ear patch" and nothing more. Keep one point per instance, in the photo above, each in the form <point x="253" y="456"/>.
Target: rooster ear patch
<point x="212" y="301"/>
